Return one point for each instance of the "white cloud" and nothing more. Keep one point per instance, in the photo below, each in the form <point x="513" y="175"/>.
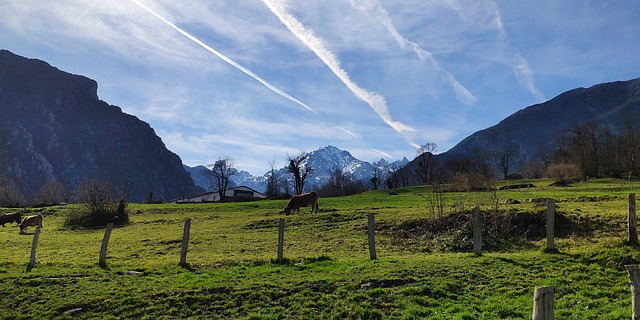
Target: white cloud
<point x="373" y="8"/>
<point x="411" y="61"/>
<point x="307" y="36"/>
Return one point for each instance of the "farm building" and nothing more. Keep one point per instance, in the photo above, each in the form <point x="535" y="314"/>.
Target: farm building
<point x="240" y="193"/>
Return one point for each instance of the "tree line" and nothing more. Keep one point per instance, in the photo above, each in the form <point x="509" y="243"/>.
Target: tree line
<point x="583" y="151"/>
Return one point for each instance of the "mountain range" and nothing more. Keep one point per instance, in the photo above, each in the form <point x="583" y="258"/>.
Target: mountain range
<point x="322" y="160"/>
<point x="55" y="128"/>
<point x="525" y="132"/>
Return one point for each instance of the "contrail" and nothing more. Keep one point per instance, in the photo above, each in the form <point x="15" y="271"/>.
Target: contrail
<point x="307" y="36"/>
<point x="375" y="8"/>
<point x="521" y="69"/>
<point x="524" y="74"/>
<point x="226" y="59"/>
<point x="372" y="148"/>
<point x="249" y="72"/>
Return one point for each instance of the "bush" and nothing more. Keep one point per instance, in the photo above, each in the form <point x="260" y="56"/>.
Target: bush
<point x="471" y="181"/>
<point x="100" y="206"/>
<point x="563" y="173"/>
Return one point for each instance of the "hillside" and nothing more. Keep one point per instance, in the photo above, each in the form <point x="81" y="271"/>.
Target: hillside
<point x="612" y="106"/>
<point x="608" y="104"/>
<point x="55" y="128"/>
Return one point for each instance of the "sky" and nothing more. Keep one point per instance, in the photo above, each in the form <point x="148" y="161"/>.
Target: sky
<point x="260" y="80"/>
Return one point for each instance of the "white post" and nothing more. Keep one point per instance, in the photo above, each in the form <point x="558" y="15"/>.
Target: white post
<point x="185" y="242"/>
<point x="551" y="211"/>
<point x="372" y="240"/>
<point x="543" y="303"/>
<point x="105" y="244"/>
<point x="34" y="244"/>
<point x="634" y="276"/>
<point x="476" y="221"/>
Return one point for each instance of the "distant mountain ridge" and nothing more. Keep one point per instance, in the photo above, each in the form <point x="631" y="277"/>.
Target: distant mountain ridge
<point x="525" y="131"/>
<point x="603" y="103"/>
<point x="54" y="127"/>
<point x="536" y="126"/>
<point x="322" y="160"/>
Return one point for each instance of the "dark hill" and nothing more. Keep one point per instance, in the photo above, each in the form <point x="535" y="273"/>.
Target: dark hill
<point x="606" y="104"/>
<point x="525" y="132"/>
<point x="54" y="127"/>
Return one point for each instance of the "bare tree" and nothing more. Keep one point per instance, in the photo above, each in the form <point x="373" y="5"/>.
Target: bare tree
<point x="377" y="178"/>
<point x="51" y="193"/>
<point x="10" y="196"/>
<point x="533" y="169"/>
<point x="505" y="160"/>
<point x="221" y="171"/>
<point x="425" y="155"/>
<point x="393" y="178"/>
<point x="273" y="182"/>
<point x="101" y="201"/>
<point x="341" y="183"/>
<point x="629" y="139"/>
<point x="544" y="153"/>
<point x="300" y="170"/>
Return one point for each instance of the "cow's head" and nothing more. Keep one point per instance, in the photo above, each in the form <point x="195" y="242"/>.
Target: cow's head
<point x="287" y="210"/>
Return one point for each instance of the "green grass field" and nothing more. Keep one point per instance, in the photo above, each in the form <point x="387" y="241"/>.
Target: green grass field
<point x="425" y="268"/>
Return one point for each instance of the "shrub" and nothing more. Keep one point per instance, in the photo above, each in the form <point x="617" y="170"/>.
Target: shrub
<point x="563" y="173"/>
<point x="100" y="205"/>
<point x="471" y="181"/>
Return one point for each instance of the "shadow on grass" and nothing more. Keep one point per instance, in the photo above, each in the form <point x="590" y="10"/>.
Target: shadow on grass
<point x="187" y="266"/>
<point x="550" y="250"/>
<point x="301" y="261"/>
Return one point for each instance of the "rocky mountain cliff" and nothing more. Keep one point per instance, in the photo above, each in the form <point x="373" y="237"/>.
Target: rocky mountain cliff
<point x="54" y="127"/>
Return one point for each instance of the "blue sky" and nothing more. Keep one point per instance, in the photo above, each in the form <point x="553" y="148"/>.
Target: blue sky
<point x="259" y="80"/>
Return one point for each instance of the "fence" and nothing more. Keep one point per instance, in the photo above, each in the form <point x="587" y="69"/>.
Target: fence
<point x="543" y="300"/>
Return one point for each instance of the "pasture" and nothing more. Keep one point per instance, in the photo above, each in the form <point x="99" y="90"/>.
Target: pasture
<point x="421" y="271"/>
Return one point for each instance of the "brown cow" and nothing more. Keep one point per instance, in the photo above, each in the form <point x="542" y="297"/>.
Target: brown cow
<point x="35" y="221"/>
<point x="10" y="217"/>
<point x="302" y="200"/>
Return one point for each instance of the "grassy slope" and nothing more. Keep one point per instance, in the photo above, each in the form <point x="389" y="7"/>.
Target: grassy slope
<point x="231" y="274"/>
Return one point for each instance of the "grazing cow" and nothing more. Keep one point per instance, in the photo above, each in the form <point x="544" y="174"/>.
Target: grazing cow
<point x="10" y="217"/>
<point x="35" y="221"/>
<point x="302" y="200"/>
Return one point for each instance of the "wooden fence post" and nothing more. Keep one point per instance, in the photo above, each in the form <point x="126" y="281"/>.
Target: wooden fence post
<point x="34" y="244"/>
<point x="551" y="212"/>
<point x="476" y="221"/>
<point x="105" y="244"/>
<point x="185" y="242"/>
<point x="634" y="276"/>
<point x="543" y="303"/>
<point x="632" y="221"/>
<point x="372" y="240"/>
<point x="281" y="240"/>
